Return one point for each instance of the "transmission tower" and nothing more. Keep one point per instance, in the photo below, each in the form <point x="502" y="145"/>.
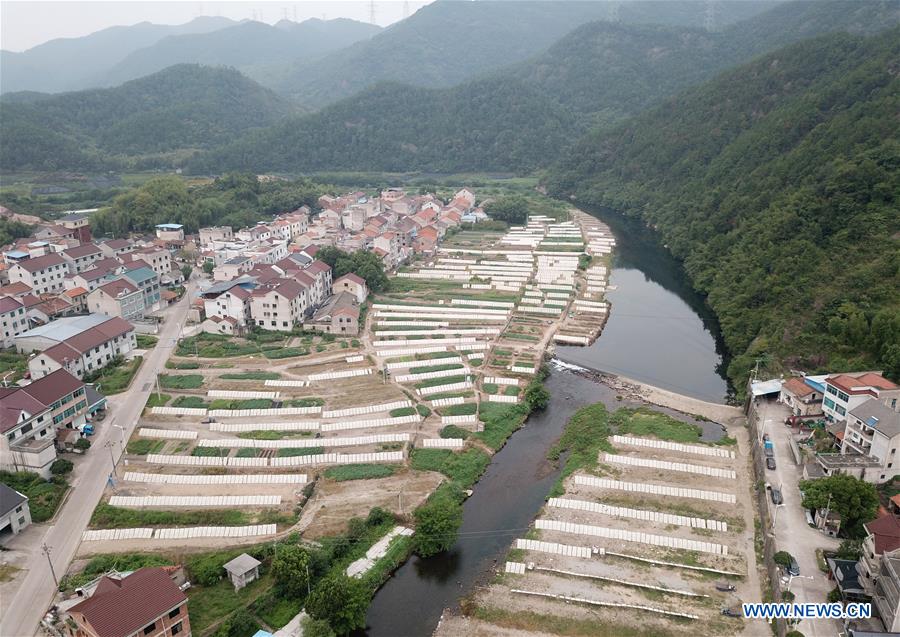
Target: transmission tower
<point x="614" y="12"/>
<point x="372" y="12"/>
<point x="709" y="20"/>
<point x="406" y="9"/>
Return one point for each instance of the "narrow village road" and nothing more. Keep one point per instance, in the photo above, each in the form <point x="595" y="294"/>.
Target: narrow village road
<point x="22" y="614"/>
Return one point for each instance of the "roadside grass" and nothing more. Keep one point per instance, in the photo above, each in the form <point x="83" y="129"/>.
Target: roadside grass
<point x="145" y="341"/>
<point x="251" y="376"/>
<point x="286" y="352"/>
<point x="112" y="517"/>
<point x="114" y="379"/>
<point x="182" y="365"/>
<point x="181" y="381"/>
<point x="100" y="564"/>
<point x="144" y="446"/>
<point x="464" y="468"/>
<point x="192" y="402"/>
<point x="359" y="472"/>
<point x="44" y="497"/>
<point x="157" y="400"/>
<point x="585" y="436"/>
<point x="12" y="365"/>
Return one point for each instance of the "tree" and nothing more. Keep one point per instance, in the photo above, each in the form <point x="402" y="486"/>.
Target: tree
<point x="512" y="209"/>
<point x="361" y="263"/>
<point x="61" y="466"/>
<point x="186" y="271"/>
<point x="208" y="267"/>
<point x="438" y="521"/>
<point x="855" y="500"/>
<point x="291" y="569"/>
<point x="82" y="444"/>
<point x="850" y="550"/>
<point x="783" y="559"/>
<point x="341" y="601"/>
<point x="536" y="396"/>
<point x="316" y="628"/>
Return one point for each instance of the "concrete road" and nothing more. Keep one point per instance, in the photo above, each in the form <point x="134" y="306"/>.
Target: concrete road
<point x="22" y="613"/>
<point x="792" y="533"/>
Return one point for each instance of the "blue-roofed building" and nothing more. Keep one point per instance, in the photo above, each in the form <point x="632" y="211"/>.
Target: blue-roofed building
<point x="148" y="282"/>
<point x="14" y="256"/>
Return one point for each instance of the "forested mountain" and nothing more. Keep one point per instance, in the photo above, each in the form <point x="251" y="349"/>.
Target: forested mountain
<point x="391" y="127"/>
<point x="251" y="47"/>
<point x="181" y="108"/>
<point x="520" y="118"/>
<point x="69" y="64"/>
<point x="448" y="42"/>
<point x="777" y="185"/>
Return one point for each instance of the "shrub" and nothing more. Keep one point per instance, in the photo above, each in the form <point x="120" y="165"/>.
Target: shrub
<point x="438" y="520"/>
<point x="402" y="411"/>
<point x="423" y="410"/>
<point x="82" y="444"/>
<point x="61" y="467"/>
<point x="341" y="601"/>
<point x="316" y="628"/>
<point x="783" y="559"/>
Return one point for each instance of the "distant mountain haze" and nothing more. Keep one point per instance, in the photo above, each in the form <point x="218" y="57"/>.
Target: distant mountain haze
<point x="69" y="63"/>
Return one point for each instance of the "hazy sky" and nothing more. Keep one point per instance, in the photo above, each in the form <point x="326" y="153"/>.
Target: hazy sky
<point x="24" y="24"/>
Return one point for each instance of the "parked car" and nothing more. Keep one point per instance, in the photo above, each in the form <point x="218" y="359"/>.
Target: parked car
<point x="776" y="496"/>
<point x="794" y="568"/>
<point x="732" y="611"/>
<point x="770" y="463"/>
<point x="770" y="453"/>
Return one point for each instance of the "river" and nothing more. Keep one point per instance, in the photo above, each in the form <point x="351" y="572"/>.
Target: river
<point x="659" y="332"/>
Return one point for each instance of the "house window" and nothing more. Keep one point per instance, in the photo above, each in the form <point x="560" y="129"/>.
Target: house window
<point x="176" y="628"/>
<point x="831" y="390"/>
<point x="175" y="612"/>
<point x="149" y="629"/>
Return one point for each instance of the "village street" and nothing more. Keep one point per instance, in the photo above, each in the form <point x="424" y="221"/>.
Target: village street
<point x="22" y="612"/>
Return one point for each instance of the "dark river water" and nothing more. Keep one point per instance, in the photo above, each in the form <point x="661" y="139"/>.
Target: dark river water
<point x="659" y="332"/>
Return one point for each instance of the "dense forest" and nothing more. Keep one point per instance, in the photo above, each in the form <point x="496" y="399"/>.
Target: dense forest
<point x="234" y="199"/>
<point x="777" y="185"/>
<point x="524" y="116"/>
<point x="181" y="108"/>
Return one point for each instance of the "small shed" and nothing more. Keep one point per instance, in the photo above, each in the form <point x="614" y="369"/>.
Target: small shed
<point x="242" y="570"/>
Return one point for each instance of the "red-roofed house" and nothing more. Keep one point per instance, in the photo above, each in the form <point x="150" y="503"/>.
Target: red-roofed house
<point x="43" y="274"/>
<point x="279" y="305"/>
<point x="82" y="257"/>
<point x="120" y="297"/>
<point x="146" y="603"/>
<point x="882" y="536"/>
<point x="426" y="239"/>
<point x="844" y="392"/>
<point x="321" y="273"/>
<point x="30" y="417"/>
<point x="352" y="284"/>
<point x="802" y="398"/>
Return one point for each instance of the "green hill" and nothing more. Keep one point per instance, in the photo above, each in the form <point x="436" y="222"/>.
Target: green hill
<point x="182" y="108"/>
<point x="448" y="42"/>
<point x="777" y="185"/>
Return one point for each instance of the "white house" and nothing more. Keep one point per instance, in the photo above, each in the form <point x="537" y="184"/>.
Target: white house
<point x="873" y="430"/>
<point x="352" y="283"/>
<point x="844" y="392"/>
<point x="43" y="274"/>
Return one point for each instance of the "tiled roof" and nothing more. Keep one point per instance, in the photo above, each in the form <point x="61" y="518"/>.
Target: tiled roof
<point x="9" y="304"/>
<point x="34" y="397"/>
<point x="859" y="384"/>
<point x="15" y="289"/>
<point x="886" y="530"/>
<point x="119" y="286"/>
<point x="797" y="387"/>
<point x="36" y="264"/>
<point x="353" y="278"/>
<point x="75" y="292"/>
<point x="81" y="251"/>
<point x="120" y="607"/>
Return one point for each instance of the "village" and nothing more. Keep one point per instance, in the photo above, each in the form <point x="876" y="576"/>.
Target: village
<point x="231" y="392"/>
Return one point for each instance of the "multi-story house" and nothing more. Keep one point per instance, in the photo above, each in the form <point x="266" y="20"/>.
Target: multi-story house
<point x="82" y="257"/>
<point x="210" y="235"/>
<point x="882" y="538"/>
<point x="886" y="598"/>
<point x="170" y="232"/>
<point x="13" y="320"/>
<point x="120" y="297"/>
<point x="228" y="300"/>
<point x="233" y="268"/>
<point x="321" y="273"/>
<point x="258" y="232"/>
<point x="159" y="259"/>
<point x="147" y="280"/>
<point x="279" y="305"/>
<point x="80" y="223"/>
<point x="873" y="429"/>
<point x="30" y="417"/>
<point x="78" y="344"/>
<point x="116" y="247"/>
<point x="352" y="284"/>
<point x="44" y="275"/>
<point x="146" y="603"/>
<point x="103" y="271"/>
<point x="844" y="392"/>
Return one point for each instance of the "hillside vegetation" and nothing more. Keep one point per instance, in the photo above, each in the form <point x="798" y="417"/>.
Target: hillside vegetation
<point x="181" y="108"/>
<point x="777" y="185"/>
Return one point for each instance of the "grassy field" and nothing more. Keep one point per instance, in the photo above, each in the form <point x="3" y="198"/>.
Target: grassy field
<point x="359" y="472"/>
<point x="144" y="446"/>
<point x="145" y="341"/>
<point x="193" y="402"/>
<point x="112" y="517"/>
<point x="114" y="379"/>
<point x="12" y="365"/>
<point x="43" y="497"/>
<point x="251" y="376"/>
<point x="647" y="422"/>
<point x="181" y="381"/>
<point x="464" y="468"/>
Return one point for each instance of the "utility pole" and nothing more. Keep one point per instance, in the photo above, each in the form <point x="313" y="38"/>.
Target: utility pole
<point x="46" y="551"/>
<point x="109" y="445"/>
